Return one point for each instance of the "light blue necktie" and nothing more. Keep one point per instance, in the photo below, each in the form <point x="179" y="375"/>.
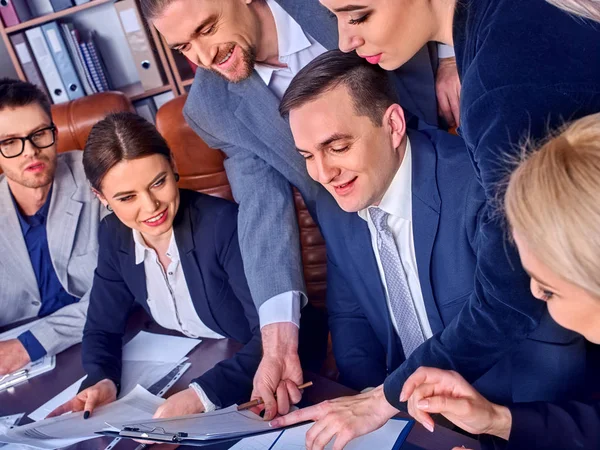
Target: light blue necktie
<point x="403" y="307"/>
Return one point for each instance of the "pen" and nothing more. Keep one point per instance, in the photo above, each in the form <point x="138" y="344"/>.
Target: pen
<point x="259" y="401"/>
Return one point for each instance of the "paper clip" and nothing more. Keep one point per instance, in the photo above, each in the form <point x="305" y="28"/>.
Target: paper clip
<point x="14" y="378"/>
<point x="157" y="434"/>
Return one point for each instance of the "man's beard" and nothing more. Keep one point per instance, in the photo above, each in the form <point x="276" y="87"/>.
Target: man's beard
<point x="248" y="61"/>
<point x="34" y="182"/>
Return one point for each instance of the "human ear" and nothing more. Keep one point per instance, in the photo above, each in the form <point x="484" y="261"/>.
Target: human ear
<point x="396" y="123"/>
<point x="100" y="197"/>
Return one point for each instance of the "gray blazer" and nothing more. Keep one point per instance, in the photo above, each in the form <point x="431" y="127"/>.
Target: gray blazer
<point x="242" y="119"/>
<point x="72" y="230"/>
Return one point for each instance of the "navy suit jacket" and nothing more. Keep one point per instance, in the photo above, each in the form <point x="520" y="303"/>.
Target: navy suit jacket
<point x="206" y="234"/>
<point x="447" y="203"/>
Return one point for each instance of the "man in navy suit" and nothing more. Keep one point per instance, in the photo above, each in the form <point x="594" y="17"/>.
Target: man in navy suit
<point x="403" y="255"/>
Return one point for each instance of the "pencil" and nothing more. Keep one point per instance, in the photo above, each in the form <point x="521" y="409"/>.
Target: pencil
<point x="259" y="401"/>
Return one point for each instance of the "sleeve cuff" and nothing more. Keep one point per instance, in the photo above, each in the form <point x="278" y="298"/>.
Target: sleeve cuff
<point x="32" y="345"/>
<point x="283" y="307"/>
<point x="208" y="405"/>
<point x="445" y="51"/>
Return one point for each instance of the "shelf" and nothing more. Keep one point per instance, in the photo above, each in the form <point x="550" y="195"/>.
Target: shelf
<point x="187" y="83"/>
<point x="56" y="15"/>
<point x="135" y="91"/>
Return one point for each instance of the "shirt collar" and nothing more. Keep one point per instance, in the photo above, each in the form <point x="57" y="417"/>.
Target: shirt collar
<point x="290" y="39"/>
<point x="397" y="200"/>
<point x="39" y="218"/>
<point x="141" y="249"/>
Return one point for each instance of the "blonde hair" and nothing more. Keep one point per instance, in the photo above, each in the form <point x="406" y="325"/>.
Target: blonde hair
<point x="589" y="9"/>
<point x="553" y="203"/>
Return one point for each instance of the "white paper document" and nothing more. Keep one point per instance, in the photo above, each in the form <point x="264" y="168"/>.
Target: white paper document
<point x="71" y="428"/>
<point x="295" y="438"/>
<point x="147" y="358"/>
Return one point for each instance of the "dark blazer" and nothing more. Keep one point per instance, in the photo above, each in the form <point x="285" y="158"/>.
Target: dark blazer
<point x="206" y="232"/>
<point x="447" y="202"/>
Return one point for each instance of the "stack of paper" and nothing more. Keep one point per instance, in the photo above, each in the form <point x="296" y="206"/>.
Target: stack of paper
<point x="71" y="428"/>
<point x="147" y="358"/>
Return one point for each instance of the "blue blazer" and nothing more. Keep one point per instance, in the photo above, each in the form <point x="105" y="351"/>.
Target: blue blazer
<point x="447" y="202"/>
<point x="206" y="232"/>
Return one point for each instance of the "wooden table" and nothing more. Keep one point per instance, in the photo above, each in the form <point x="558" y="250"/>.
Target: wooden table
<point x="29" y="396"/>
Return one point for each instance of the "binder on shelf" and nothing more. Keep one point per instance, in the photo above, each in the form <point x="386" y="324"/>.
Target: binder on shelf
<point x="28" y="63"/>
<point x="84" y="76"/>
<point x="63" y="61"/>
<point x="147" y="109"/>
<point x="48" y="68"/>
<point x="40" y="7"/>
<point x="14" y="12"/>
<point x="90" y="65"/>
<point x="163" y="98"/>
<point x="80" y="2"/>
<point x="59" y="5"/>
<point x="139" y="44"/>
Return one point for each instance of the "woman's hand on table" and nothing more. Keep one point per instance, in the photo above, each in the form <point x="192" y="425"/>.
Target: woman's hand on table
<point x="99" y="394"/>
<point x="445" y="392"/>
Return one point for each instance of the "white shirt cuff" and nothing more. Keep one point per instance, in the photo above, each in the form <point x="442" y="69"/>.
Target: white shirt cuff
<point x="445" y="51"/>
<point x="208" y="405"/>
<point x="283" y="307"/>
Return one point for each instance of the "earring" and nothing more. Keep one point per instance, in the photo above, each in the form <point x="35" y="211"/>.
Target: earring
<point x="109" y="208"/>
<point x="176" y="177"/>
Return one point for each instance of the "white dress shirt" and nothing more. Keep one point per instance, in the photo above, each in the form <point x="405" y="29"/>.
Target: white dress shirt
<point x="397" y="202"/>
<point x="169" y="298"/>
<point x="296" y="50"/>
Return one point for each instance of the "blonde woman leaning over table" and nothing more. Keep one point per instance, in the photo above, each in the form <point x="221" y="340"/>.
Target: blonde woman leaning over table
<point x="552" y="204"/>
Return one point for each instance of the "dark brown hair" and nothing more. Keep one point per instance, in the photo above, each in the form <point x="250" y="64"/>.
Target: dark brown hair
<point x="16" y="93"/>
<point x="368" y="84"/>
<point x="120" y="136"/>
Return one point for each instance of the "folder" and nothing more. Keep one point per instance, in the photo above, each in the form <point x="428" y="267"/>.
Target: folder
<point x="14" y="12"/>
<point x="139" y="44"/>
<point x="59" y="5"/>
<point x="48" y="68"/>
<point x="147" y="109"/>
<point x="40" y="7"/>
<point x="163" y="98"/>
<point x="84" y="76"/>
<point x="30" y="67"/>
<point x="63" y="61"/>
<point x="97" y="61"/>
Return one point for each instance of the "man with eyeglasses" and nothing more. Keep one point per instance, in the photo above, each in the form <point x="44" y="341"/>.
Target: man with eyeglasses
<point x="48" y="230"/>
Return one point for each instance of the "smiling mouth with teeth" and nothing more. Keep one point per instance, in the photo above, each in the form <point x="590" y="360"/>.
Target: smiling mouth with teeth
<point x="157" y="218"/>
<point x="227" y="56"/>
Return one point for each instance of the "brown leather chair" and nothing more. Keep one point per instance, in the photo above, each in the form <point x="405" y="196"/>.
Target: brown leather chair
<point x="74" y="120"/>
<point x="201" y="169"/>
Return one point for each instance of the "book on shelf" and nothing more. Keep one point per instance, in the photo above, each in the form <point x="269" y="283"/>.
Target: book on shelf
<point x="85" y="77"/>
<point x="28" y="62"/>
<point x="59" y="5"/>
<point x="13" y="12"/>
<point x="63" y="60"/>
<point x="98" y="61"/>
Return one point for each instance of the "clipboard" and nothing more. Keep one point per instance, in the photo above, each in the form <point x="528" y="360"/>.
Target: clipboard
<point x="31" y="370"/>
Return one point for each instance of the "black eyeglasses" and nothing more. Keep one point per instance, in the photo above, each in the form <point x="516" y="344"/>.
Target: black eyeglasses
<point x="14" y="146"/>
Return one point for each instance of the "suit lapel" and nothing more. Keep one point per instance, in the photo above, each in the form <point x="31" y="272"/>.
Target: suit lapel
<point x="13" y="243"/>
<point x="65" y="208"/>
<point x="426" y="215"/>
<point x="133" y="274"/>
<point x="315" y="19"/>
<point x="183" y="229"/>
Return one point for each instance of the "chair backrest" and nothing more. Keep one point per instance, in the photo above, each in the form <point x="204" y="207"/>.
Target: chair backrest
<point x="75" y="119"/>
<point x="201" y="169"/>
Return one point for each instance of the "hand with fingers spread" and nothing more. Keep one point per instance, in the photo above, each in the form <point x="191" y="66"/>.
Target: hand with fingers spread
<point x="279" y="372"/>
<point x="99" y="394"/>
<point x="13" y="356"/>
<point x="430" y="390"/>
<point x="447" y="89"/>
<point x="342" y="419"/>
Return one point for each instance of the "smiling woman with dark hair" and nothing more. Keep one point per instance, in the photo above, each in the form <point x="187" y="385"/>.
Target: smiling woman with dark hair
<point x="174" y="252"/>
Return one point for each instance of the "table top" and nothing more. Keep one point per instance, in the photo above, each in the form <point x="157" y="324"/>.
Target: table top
<point x="29" y="396"/>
